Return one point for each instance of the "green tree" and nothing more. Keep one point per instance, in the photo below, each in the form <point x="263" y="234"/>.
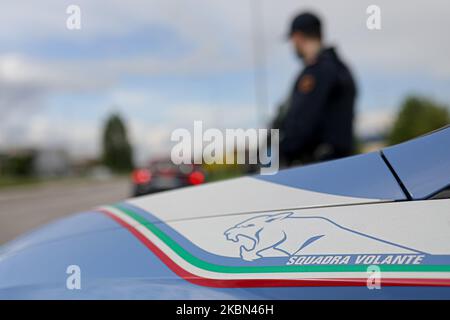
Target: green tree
<point x="418" y="116"/>
<point x="19" y="165"/>
<point x="117" y="151"/>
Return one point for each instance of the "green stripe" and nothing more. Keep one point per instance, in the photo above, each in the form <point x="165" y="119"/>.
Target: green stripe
<point x="270" y="269"/>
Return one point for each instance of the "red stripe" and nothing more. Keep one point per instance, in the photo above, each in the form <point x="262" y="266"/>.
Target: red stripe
<point x="251" y="283"/>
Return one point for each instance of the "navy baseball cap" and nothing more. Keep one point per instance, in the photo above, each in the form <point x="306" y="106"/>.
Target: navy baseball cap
<point x="307" y="23"/>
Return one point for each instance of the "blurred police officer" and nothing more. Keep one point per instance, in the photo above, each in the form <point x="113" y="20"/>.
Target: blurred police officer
<point x="316" y="123"/>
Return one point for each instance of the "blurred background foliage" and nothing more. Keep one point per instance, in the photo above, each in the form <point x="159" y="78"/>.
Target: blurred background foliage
<point x="417" y="116"/>
<point x="117" y="150"/>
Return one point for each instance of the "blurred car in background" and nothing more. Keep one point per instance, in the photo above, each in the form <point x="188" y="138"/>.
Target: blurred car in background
<point x="163" y="174"/>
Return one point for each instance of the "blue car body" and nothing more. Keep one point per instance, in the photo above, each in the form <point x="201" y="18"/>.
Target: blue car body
<point x="166" y="246"/>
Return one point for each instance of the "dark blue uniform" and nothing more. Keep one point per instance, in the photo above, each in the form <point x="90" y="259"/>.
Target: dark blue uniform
<point x="318" y="122"/>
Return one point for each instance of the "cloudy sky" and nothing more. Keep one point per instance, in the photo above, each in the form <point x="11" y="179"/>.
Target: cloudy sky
<point x="164" y="64"/>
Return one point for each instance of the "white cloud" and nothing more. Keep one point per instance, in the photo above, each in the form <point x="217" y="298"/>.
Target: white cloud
<point x="42" y="132"/>
<point x="373" y="123"/>
<point x="220" y="28"/>
<point x="221" y="34"/>
<point x="153" y="139"/>
<point x="82" y="138"/>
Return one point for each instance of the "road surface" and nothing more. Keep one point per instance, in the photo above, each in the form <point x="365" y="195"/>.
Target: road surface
<point x="25" y="208"/>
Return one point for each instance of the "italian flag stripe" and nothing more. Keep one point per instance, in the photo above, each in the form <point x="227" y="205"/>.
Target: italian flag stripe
<point x="204" y="273"/>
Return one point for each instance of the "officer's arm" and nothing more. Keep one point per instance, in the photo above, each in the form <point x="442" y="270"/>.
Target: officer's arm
<point x="308" y="104"/>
